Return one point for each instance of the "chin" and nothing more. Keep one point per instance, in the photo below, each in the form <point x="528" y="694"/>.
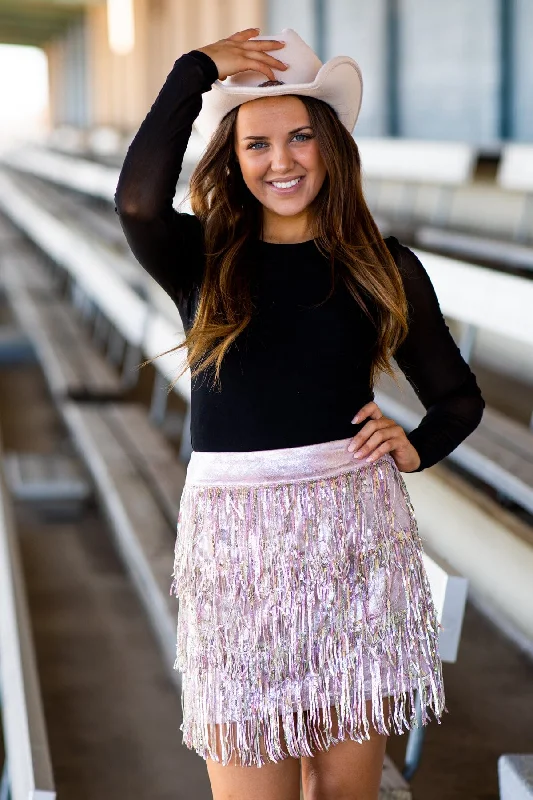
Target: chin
<point x="287" y="209"/>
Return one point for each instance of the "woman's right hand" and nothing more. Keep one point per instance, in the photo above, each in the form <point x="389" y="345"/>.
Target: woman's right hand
<point x="240" y="52"/>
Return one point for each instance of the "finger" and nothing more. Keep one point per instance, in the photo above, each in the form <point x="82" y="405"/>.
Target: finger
<point x="369" y="410"/>
<point x="263" y="44"/>
<point x="370" y="440"/>
<point x="272" y="62"/>
<point x="376" y="440"/>
<point x="258" y="66"/>
<point x="383" y="448"/>
<point x="240" y="36"/>
<point x="368" y="429"/>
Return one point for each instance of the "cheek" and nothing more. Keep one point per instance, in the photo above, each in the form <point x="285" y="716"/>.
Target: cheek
<point x="314" y="161"/>
<point x="252" y="172"/>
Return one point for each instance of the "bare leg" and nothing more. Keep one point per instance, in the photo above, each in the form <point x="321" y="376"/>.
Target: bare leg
<point x="273" y="781"/>
<point x="348" y="770"/>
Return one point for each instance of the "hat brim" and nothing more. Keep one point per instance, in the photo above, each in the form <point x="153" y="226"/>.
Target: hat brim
<point x="338" y="82"/>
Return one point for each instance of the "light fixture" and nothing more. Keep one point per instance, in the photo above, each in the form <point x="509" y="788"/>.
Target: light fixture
<point x="120" y="26"/>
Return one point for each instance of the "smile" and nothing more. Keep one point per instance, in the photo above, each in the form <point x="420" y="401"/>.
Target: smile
<point x="286" y="184"/>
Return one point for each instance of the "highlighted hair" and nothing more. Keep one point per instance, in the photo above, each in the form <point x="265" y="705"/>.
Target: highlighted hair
<point x="344" y="229"/>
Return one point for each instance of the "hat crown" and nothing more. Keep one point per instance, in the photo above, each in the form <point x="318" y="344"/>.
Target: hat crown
<point x="338" y="83"/>
<point x="303" y="63"/>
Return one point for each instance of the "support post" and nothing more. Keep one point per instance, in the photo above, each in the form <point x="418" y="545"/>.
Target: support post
<point x="4" y="784"/>
<point x="116" y="346"/>
<point x="130" y="373"/>
<point x="101" y="329"/>
<point x="506" y="69"/>
<point x="186" y="447"/>
<point x="392" y="55"/>
<point x="320" y="29"/>
<point x="159" y="402"/>
<point x="415" y="741"/>
<point x="466" y="344"/>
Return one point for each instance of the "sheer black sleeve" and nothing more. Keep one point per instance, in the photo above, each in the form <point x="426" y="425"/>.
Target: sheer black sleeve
<point x="168" y="244"/>
<point x="435" y="368"/>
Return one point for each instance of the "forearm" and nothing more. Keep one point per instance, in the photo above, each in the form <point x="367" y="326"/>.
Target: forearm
<point x="446" y="425"/>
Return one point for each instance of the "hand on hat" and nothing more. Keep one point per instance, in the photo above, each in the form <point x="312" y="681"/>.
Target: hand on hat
<point x="241" y="52"/>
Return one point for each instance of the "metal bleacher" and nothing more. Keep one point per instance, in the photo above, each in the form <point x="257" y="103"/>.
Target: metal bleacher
<point x="428" y="188"/>
<point x="27" y="771"/>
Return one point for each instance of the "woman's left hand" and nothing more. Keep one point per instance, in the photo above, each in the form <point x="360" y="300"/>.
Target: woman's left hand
<point x="382" y="435"/>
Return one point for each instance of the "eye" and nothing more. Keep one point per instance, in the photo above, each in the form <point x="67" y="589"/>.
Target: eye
<point x="256" y="146"/>
<point x="302" y="137"/>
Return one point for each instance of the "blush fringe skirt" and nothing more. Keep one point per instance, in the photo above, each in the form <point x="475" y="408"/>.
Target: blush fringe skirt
<point x="301" y="589"/>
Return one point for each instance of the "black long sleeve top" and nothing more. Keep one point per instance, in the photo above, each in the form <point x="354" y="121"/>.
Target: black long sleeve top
<point x="301" y="370"/>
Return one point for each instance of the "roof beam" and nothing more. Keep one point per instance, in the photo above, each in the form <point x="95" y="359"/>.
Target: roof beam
<point x="35" y="23"/>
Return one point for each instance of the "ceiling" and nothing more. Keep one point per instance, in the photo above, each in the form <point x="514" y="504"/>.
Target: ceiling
<point x="34" y="22"/>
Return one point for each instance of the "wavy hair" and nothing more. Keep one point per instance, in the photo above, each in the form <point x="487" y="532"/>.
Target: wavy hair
<point x="344" y="231"/>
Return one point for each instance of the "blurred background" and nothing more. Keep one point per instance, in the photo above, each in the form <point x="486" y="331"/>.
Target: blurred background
<point x="93" y="450"/>
<point x="450" y="71"/>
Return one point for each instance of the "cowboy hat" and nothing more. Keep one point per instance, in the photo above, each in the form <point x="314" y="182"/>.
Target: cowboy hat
<point x="338" y="82"/>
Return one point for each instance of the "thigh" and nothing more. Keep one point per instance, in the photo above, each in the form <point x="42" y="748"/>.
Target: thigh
<point x="348" y="770"/>
<point x="278" y="780"/>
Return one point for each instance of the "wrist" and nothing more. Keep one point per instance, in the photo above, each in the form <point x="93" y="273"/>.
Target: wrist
<point x="207" y="64"/>
<point x="415" y="460"/>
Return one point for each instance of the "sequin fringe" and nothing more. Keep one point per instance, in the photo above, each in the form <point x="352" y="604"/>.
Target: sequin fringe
<point x="301" y="596"/>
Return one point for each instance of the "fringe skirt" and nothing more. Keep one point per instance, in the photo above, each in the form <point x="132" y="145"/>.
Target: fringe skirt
<point x="301" y="589"/>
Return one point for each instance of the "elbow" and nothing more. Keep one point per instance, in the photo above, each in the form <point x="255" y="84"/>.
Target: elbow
<point x="130" y="209"/>
<point x="132" y="205"/>
<point x="471" y="403"/>
<point x="480" y="409"/>
<point x="471" y="411"/>
<point x="476" y="412"/>
<point x="123" y="205"/>
<point x="477" y="400"/>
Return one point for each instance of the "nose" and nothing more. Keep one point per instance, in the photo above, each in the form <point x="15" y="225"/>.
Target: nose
<point x="282" y="160"/>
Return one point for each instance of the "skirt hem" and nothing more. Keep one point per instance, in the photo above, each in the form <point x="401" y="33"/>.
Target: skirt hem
<point x="306" y="731"/>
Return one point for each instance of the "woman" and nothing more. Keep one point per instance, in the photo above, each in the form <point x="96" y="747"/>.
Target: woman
<point x="306" y="622"/>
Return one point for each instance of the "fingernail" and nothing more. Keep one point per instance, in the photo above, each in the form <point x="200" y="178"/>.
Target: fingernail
<point x="358" y="454"/>
<point x="354" y="419"/>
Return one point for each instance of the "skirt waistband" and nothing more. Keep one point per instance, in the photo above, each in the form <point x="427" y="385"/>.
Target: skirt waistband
<point x="285" y="464"/>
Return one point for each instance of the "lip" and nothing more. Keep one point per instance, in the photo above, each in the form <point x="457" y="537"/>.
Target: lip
<point x="290" y="189"/>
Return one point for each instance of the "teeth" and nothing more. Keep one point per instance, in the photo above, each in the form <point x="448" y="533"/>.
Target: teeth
<point x="286" y="185"/>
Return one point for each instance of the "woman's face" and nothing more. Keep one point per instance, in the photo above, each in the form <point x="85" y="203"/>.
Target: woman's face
<point x="278" y="153"/>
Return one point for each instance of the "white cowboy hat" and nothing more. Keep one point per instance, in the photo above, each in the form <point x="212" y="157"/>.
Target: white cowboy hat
<point x="338" y="82"/>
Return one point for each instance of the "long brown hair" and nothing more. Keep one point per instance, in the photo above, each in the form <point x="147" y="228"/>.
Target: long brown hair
<point x="345" y="232"/>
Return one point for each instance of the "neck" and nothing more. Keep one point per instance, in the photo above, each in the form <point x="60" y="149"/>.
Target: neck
<point x="286" y="230"/>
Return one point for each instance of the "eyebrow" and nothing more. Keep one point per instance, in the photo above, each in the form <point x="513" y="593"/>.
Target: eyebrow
<point x="291" y="133"/>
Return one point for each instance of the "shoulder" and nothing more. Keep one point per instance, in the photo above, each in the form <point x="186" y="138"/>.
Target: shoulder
<point x="409" y="265"/>
<point x="404" y="257"/>
<point x="422" y="300"/>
